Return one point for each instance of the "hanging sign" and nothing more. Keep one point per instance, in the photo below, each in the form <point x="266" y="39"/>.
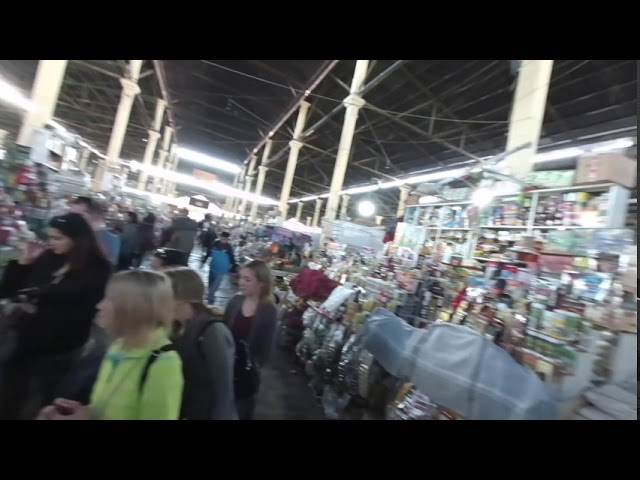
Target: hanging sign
<point x="204" y="176"/>
<point x="196" y="202"/>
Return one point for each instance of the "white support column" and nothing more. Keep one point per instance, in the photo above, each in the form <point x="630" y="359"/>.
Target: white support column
<point x="44" y="97"/>
<point x="152" y="143"/>
<point x="262" y="175"/>
<point x="402" y="202"/>
<point x="353" y="104"/>
<point x="235" y="205"/>
<point x="165" y="184"/>
<point x="316" y="213"/>
<point x="248" y="183"/>
<point x="379" y="219"/>
<point x="344" y="207"/>
<point x="299" y="211"/>
<point x="130" y="89"/>
<point x="84" y="160"/>
<point x="294" y="150"/>
<point x="162" y="157"/>
<point x="308" y="221"/>
<point x="228" y="204"/>
<point x="527" y="114"/>
<point x="171" y="188"/>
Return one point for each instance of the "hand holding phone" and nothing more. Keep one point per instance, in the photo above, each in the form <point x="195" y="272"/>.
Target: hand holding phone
<point x="32" y="251"/>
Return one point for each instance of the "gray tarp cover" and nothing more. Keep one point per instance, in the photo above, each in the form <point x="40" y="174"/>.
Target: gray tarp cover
<point x="458" y="369"/>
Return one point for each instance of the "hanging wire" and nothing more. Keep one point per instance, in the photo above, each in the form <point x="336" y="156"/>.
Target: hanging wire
<point x="270" y="82"/>
<point x="439" y="119"/>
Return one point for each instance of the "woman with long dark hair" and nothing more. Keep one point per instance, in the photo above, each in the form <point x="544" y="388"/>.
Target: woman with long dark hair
<point x="140" y="377"/>
<point x="58" y="288"/>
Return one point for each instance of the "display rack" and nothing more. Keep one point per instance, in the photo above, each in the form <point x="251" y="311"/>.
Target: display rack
<point x="431" y="216"/>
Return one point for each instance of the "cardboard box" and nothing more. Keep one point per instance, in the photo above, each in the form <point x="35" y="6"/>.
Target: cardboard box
<point x="413" y="200"/>
<point x="613" y="168"/>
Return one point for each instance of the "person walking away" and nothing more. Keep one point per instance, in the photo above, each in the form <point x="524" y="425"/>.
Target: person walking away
<point x="59" y="289"/>
<point x="252" y="317"/>
<point x="184" y="231"/>
<point x="207" y="238"/>
<point x="140" y="377"/>
<point x="130" y="242"/>
<point x="146" y="237"/>
<point x="207" y="349"/>
<point x="223" y="261"/>
<point x="94" y="212"/>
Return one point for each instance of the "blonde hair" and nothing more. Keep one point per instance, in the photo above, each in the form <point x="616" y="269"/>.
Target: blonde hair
<point x="264" y="276"/>
<point x="142" y="300"/>
<point x="188" y="287"/>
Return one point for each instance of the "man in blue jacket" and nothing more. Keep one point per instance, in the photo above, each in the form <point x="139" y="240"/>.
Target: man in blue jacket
<point x="223" y="261"/>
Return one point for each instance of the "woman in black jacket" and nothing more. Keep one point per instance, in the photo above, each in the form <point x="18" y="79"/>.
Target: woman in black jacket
<point x="59" y="288"/>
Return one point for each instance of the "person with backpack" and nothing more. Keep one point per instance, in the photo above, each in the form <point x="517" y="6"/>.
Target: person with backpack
<point x="223" y="262"/>
<point x="140" y="377"/>
<point x="207" y="349"/>
<point x="252" y="318"/>
<point x="207" y="238"/>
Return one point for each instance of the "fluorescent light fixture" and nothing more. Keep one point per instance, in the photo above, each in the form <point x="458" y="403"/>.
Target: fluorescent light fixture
<point x="558" y="154"/>
<point x="363" y="189"/>
<point x="13" y="96"/>
<point x="394" y="183"/>
<point x="482" y="197"/>
<point x="366" y="208"/>
<point x="209" y="161"/>
<point x="215" y="187"/>
<point x="440" y="175"/>
<point x="155" y="198"/>
<point x="57" y="127"/>
<point x="429" y="199"/>
<point x="619" y="144"/>
<point x="305" y="199"/>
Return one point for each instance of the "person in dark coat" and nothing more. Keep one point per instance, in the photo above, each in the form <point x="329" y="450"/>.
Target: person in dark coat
<point x="146" y="237"/>
<point x="58" y="289"/>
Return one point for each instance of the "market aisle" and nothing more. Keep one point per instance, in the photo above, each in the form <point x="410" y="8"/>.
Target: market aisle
<point x="285" y="393"/>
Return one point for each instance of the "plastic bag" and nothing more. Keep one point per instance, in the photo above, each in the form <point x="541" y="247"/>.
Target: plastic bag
<point x="459" y="369"/>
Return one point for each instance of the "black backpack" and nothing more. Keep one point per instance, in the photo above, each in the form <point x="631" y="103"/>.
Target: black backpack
<point x="246" y="373"/>
<point x="170" y="347"/>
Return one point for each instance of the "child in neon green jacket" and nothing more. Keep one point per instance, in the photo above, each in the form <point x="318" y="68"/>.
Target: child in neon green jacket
<point x="140" y="377"/>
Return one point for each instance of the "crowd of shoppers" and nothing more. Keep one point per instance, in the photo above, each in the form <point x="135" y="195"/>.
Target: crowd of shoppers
<point x="155" y="350"/>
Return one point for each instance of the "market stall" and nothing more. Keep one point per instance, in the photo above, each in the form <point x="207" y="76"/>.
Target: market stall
<point x="537" y="285"/>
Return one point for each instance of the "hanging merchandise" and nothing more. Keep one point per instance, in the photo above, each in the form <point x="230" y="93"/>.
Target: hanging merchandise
<point x="410" y="404"/>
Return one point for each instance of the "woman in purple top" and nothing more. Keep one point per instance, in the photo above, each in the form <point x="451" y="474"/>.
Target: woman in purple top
<point x="252" y="318"/>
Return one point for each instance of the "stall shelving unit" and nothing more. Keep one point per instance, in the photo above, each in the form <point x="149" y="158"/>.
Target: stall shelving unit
<point x="618" y="202"/>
